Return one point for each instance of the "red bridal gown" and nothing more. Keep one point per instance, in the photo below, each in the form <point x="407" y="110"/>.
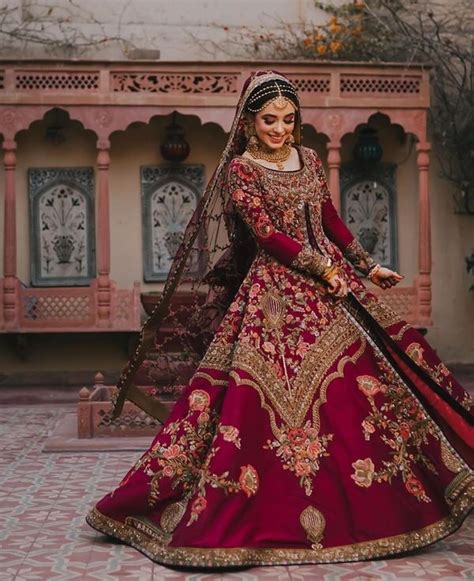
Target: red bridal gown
<point x="305" y="436"/>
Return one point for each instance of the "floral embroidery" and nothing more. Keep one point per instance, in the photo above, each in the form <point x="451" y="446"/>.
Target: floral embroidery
<point x="199" y="400"/>
<point x="198" y="506"/>
<point x="363" y="472"/>
<point x="186" y="456"/>
<point x="369" y="385"/>
<point x="264" y="227"/>
<point x="248" y="480"/>
<point x="230" y="434"/>
<point x="300" y="450"/>
<point x="402" y="425"/>
<point x="440" y="373"/>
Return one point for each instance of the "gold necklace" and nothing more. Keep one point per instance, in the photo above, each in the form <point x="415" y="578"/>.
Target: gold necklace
<point x="278" y="156"/>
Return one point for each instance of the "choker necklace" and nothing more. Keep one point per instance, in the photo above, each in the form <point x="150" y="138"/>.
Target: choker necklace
<point x="260" y="151"/>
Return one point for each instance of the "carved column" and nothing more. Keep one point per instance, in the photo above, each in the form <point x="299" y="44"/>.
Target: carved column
<point x="10" y="283"/>
<point x="103" y="234"/>
<point x="424" y="239"/>
<point x="334" y="164"/>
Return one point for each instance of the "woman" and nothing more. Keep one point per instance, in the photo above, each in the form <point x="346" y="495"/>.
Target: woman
<point x="318" y="426"/>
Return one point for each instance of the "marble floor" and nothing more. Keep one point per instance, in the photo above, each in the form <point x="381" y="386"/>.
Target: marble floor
<point x="43" y="499"/>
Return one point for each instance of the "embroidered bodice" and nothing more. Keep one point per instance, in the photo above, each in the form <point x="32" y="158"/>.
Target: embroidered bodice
<point x="291" y="214"/>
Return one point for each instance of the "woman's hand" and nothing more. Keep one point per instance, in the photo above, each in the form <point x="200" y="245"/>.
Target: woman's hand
<point x="386" y="278"/>
<point x="337" y="286"/>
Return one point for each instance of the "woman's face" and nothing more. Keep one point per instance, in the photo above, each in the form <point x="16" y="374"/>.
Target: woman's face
<point x="273" y="125"/>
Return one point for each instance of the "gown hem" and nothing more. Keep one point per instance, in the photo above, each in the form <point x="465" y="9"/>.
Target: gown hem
<point x="264" y="556"/>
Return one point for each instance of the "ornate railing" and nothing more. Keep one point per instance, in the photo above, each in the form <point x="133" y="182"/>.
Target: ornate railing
<point x="118" y="83"/>
<point x="73" y="309"/>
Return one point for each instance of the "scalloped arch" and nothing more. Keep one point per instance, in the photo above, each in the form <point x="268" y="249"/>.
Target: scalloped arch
<point x="337" y="122"/>
<point x="49" y="110"/>
<point x="148" y="116"/>
<point x="103" y="121"/>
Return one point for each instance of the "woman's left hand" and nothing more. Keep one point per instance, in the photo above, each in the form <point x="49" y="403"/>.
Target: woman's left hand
<point x="386" y="278"/>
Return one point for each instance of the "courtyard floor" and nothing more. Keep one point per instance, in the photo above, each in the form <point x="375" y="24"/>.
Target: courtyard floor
<point x="43" y="536"/>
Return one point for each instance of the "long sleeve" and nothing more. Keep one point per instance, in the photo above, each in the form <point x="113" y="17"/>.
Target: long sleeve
<point x="247" y="199"/>
<point x="336" y="230"/>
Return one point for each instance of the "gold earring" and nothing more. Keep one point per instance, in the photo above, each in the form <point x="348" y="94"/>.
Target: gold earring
<point x="249" y="130"/>
<point x="290" y="139"/>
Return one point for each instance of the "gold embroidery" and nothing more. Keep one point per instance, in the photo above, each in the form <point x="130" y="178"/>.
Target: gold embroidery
<point x="239" y="381"/>
<point x="172" y="515"/>
<point x="210" y="379"/>
<point x="374" y="549"/>
<point x="356" y="254"/>
<point x="218" y="356"/>
<point x="401" y="332"/>
<point x="330" y="378"/>
<point x="148" y="528"/>
<point x="274" y="309"/>
<point x="380" y="311"/>
<point x="452" y="462"/>
<point x="459" y="487"/>
<point x="308" y="260"/>
<point x="314" y="523"/>
<point x="293" y="407"/>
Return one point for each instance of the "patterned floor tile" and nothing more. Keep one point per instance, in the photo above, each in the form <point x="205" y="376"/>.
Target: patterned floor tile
<point x="43" y="536"/>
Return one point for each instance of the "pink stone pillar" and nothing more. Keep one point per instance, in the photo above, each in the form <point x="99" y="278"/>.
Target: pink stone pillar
<point x="103" y="234"/>
<point x="10" y="283"/>
<point x="424" y="239"/>
<point x="334" y="164"/>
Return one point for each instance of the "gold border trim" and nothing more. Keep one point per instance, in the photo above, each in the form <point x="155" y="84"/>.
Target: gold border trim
<point x="230" y="557"/>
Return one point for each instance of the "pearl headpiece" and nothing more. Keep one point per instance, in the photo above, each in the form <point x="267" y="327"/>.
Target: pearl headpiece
<point x="279" y="100"/>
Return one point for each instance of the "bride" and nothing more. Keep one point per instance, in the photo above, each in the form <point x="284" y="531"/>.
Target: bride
<point x="317" y="426"/>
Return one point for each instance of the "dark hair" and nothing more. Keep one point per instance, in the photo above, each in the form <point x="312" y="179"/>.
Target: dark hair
<point x="268" y="91"/>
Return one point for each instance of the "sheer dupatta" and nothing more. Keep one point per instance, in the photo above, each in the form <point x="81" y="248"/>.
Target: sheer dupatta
<point x="212" y="260"/>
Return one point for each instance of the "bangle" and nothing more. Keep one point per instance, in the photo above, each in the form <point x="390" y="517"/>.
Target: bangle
<point x="329" y="273"/>
<point x="373" y="271"/>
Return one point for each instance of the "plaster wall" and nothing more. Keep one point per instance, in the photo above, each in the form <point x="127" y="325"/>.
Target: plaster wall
<point x="452" y="235"/>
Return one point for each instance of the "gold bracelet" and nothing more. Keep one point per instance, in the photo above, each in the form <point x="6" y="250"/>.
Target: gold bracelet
<point x="329" y="273"/>
<point x="373" y="271"/>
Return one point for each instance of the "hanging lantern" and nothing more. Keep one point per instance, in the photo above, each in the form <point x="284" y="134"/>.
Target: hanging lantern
<point x="367" y="151"/>
<point x="175" y="148"/>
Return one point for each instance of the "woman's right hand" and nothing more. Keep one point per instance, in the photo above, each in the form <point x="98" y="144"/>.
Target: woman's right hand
<point x="337" y="286"/>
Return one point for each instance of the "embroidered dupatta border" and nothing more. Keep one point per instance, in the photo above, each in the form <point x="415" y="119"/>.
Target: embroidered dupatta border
<point x="231" y="557"/>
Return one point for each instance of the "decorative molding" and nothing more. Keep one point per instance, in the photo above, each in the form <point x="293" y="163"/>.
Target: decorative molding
<point x="179" y="83"/>
<point x="62" y="241"/>
<point x="56" y="81"/>
<point x="187" y="84"/>
<point x="368" y="208"/>
<point x="400" y="85"/>
<point x="170" y="194"/>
